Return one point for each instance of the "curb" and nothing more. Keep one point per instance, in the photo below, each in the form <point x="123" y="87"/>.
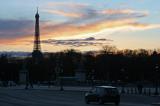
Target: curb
<point x="155" y="104"/>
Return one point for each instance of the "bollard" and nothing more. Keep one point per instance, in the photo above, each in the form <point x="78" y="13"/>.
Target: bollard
<point x="122" y="90"/>
<point x="144" y="91"/>
<point x="127" y="90"/>
<point x="149" y="92"/>
<point x="135" y="91"/>
<point x="131" y="90"/>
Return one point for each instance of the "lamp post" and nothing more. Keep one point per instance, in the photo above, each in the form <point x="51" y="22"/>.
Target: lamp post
<point x="122" y="71"/>
<point x="156" y="79"/>
<point x="59" y="72"/>
<point x="61" y="80"/>
<point x="24" y="75"/>
<point x="92" y="77"/>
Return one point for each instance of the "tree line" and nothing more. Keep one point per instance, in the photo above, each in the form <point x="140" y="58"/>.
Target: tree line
<point x="109" y="64"/>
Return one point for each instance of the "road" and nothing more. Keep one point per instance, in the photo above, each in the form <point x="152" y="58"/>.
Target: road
<point x="35" y="97"/>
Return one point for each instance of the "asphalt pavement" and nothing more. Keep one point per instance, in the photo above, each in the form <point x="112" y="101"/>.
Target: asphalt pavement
<point x="54" y="97"/>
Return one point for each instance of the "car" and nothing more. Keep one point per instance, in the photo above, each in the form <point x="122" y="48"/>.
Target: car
<point x="103" y="94"/>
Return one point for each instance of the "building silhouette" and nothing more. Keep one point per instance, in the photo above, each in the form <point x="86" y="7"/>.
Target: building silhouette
<point x="37" y="54"/>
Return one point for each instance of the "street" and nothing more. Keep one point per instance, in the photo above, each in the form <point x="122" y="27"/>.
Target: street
<point x="49" y="97"/>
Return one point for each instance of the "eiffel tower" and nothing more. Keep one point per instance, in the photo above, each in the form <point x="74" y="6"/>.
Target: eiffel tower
<point x="37" y="54"/>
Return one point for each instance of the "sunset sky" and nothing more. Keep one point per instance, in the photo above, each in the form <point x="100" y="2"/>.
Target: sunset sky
<point x="80" y="24"/>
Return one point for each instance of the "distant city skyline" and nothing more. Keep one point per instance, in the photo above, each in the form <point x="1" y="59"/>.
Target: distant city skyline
<point x="85" y="25"/>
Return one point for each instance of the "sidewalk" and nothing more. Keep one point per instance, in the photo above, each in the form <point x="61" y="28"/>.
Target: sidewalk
<point x="156" y="104"/>
<point x="69" y="88"/>
<point x="36" y="87"/>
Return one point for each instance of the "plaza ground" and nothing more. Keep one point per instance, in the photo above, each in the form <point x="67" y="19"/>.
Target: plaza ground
<point x="44" y="96"/>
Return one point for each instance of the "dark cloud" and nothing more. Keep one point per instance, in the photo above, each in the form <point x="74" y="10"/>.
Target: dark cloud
<point x="87" y="14"/>
<point x="92" y="15"/>
<point x="91" y="41"/>
<point x="15" y="28"/>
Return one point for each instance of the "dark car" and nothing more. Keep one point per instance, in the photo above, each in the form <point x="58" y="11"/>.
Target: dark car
<point x="103" y="94"/>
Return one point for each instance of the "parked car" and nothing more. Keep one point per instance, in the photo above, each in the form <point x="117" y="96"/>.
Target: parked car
<point x="103" y="94"/>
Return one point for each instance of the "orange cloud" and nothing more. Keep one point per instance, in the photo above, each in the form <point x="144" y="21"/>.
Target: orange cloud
<point x="124" y="11"/>
<point x="48" y="30"/>
<point x="25" y="40"/>
<point x="68" y="30"/>
<point x="66" y="14"/>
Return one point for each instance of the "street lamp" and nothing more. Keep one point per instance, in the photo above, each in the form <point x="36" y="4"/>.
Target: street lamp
<point x="122" y="70"/>
<point x="59" y="72"/>
<point x="24" y="75"/>
<point x="61" y="80"/>
<point x="92" y="77"/>
<point x="156" y="79"/>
